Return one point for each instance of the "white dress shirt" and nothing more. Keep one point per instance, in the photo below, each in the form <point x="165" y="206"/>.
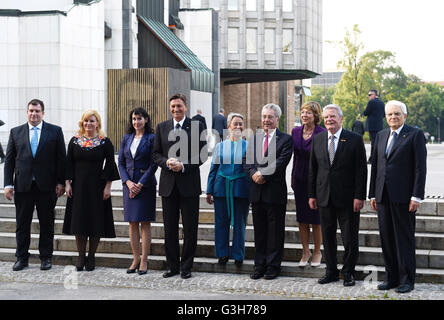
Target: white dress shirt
<point x="337" y="135"/>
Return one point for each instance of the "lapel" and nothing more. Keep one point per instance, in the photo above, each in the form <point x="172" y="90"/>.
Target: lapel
<point x="43" y="137"/>
<point x="341" y="145"/>
<point x="142" y="142"/>
<point x="274" y="140"/>
<point x="401" y="137"/>
<point x="383" y="146"/>
<point x="324" y="146"/>
<point x="128" y="145"/>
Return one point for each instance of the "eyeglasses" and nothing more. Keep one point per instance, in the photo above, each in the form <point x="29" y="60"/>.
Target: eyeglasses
<point x="370" y="94"/>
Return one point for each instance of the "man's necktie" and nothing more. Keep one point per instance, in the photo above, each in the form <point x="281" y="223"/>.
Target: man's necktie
<point x="265" y="145"/>
<point x="176" y="130"/>
<point x="331" y="149"/>
<point x="34" y="141"/>
<point x="392" y="143"/>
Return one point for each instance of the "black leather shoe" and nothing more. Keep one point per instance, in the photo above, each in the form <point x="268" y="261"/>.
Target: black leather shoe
<point x="46" y="264"/>
<point x="20" y="265"/>
<point x="142" y="272"/>
<point x="223" y="260"/>
<point x="90" y="263"/>
<point x="185" y="274"/>
<point x="328" y="279"/>
<point x="349" y="280"/>
<point x="238" y="263"/>
<point x="256" y="275"/>
<point x="170" y="273"/>
<point x="81" y="261"/>
<point x="386" y="286"/>
<point x="404" y="288"/>
<point x="129" y="270"/>
<point x="271" y="274"/>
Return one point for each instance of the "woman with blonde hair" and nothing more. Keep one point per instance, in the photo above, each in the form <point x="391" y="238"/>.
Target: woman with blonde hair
<point x="90" y="171"/>
<point x="311" y="116"/>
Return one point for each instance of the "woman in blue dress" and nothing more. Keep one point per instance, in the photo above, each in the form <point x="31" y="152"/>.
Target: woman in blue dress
<point x="228" y="189"/>
<point x="137" y="171"/>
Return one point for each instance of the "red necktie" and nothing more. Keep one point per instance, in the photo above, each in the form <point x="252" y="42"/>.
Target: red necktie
<point x="265" y="145"/>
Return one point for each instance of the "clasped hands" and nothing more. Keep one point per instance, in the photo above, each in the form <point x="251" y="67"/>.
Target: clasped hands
<point x="413" y="206"/>
<point x="258" y="178"/>
<point x="175" y="165"/>
<point x="134" y="188"/>
<point x="357" y="204"/>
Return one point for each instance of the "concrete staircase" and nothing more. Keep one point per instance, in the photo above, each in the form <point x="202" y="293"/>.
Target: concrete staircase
<point x="117" y="252"/>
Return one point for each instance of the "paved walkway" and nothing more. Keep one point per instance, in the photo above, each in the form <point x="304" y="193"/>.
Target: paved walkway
<point x="63" y="282"/>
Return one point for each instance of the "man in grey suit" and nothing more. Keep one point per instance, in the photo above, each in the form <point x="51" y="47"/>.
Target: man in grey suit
<point x="34" y="177"/>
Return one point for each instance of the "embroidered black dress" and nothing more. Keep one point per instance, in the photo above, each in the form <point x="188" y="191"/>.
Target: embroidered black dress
<point x="87" y="213"/>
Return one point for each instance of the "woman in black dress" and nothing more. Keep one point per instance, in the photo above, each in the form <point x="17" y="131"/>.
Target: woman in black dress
<point x="88" y="187"/>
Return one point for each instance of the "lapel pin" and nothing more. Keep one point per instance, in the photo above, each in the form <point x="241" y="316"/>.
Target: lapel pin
<point x="343" y="140"/>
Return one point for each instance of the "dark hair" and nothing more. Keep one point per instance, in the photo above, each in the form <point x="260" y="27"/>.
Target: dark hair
<point x="374" y="91"/>
<point x="139" y="112"/>
<point x="36" y="102"/>
<point x="179" y="96"/>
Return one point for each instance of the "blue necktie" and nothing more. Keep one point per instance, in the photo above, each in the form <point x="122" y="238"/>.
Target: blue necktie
<point x="34" y="141"/>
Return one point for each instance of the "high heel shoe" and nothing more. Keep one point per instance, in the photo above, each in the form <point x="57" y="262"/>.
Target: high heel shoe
<point x="81" y="263"/>
<point x="142" y="272"/>
<point x="129" y="270"/>
<point x="304" y="263"/>
<point x="317" y="262"/>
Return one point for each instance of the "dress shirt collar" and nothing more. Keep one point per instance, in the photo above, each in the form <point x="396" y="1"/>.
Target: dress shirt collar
<point x="39" y="126"/>
<point x="270" y="134"/>
<point x="337" y="134"/>
<point x="398" y="131"/>
<point x="178" y="122"/>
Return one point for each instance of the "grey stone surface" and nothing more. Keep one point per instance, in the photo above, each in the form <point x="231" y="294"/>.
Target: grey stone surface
<point x="112" y="283"/>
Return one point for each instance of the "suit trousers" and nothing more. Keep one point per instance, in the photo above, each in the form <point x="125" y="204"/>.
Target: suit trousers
<point x="269" y="235"/>
<point x="222" y="228"/>
<point x="45" y="203"/>
<point x="397" y="232"/>
<point x="174" y="206"/>
<point x="349" y="225"/>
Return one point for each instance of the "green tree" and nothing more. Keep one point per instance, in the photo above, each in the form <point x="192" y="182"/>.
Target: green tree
<point x="323" y="95"/>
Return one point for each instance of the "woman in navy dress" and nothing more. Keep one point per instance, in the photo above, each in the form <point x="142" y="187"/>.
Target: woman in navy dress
<point x="90" y="171"/>
<point x="137" y="171"/>
<point x="311" y="116"/>
<point x="228" y="189"/>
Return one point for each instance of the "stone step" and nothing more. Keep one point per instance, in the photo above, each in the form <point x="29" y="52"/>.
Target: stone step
<point x="104" y="260"/>
<point x="367" y="238"/>
<point x="292" y="252"/>
<point x="430" y="207"/>
<point x="368" y="221"/>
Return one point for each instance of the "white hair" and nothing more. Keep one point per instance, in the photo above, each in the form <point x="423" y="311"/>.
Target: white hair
<point x="271" y="106"/>
<point x="334" y="106"/>
<point x="233" y="115"/>
<point x="397" y="104"/>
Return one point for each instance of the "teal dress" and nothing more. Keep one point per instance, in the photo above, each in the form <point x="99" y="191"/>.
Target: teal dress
<point x="229" y="185"/>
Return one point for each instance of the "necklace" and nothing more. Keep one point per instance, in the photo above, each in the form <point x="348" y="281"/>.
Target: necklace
<point x="307" y="134"/>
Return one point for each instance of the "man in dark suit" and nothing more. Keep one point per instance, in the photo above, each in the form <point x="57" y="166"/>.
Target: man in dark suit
<point x="268" y="154"/>
<point x="220" y="123"/>
<point x="179" y="149"/>
<point x="397" y="186"/>
<point x="35" y="177"/>
<point x="201" y="118"/>
<point x="375" y="114"/>
<point x="337" y="183"/>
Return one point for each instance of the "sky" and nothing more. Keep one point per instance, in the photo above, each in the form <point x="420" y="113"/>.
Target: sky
<point x="411" y="29"/>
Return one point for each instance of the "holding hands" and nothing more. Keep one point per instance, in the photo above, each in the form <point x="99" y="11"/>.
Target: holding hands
<point x="134" y="188"/>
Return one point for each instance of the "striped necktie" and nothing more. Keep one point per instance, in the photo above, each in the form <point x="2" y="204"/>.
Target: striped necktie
<point x="331" y="149"/>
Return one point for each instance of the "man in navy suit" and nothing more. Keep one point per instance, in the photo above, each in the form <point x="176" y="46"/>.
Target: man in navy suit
<point x="396" y="190"/>
<point x="35" y="177"/>
<point x="375" y="114"/>
<point x="220" y="124"/>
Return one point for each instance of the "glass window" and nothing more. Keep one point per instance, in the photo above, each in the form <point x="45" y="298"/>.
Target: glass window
<point x="214" y="4"/>
<point x="287" y="5"/>
<point x="233" y="5"/>
<point x="269" y="41"/>
<point x="251" y="40"/>
<point x="269" y="5"/>
<point x="196" y="4"/>
<point x="251" y="5"/>
<point x="233" y="34"/>
<point x="287" y="40"/>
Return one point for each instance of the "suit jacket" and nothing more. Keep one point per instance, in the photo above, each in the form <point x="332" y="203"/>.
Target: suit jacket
<point x="187" y="182"/>
<point x="48" y="166"/>
<point x="375" y="113"/>
<point x="274" y="190"/>
<point x="141" y="168"/>
<point x="404" y="171"/>
<point x="343" y="181"/>
<point x="201" y="119"/>
<point x="219" y="123"/>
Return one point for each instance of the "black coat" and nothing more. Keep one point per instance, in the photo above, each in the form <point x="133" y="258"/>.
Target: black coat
<point x="48" y="166"/>
<point x="375" y="112"/>
<point x="219" y="124"/>
<point x="200" y="118"/>
<point x="404" y="171"/>
<point x="274" y="190"/>
<point x="343" y="181"/>
<point x="188" y="182"/>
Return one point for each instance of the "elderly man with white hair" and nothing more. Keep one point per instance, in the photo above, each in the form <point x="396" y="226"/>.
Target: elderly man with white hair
<point x="396" y="190"/>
